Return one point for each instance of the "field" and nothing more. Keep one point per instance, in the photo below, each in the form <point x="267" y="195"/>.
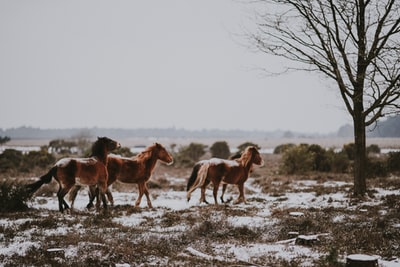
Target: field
<point x="309" y="220"/>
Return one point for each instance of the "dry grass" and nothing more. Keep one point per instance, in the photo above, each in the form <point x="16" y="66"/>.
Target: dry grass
<point x="97" y="240"/>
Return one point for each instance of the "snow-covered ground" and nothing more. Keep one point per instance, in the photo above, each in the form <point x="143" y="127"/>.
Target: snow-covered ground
<point x="168" y="201"/>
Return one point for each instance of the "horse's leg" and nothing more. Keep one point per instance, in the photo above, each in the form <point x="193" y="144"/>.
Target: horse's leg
<point x="73" y="193"/>
<point x="146" y="192"/>
<point x="104" y="199"/>
<point x="215" y="192"/>
<point x="141" y="191"/>
<point x="203" y="191"/>
<point x="110" y="196"/>
<point x="100" y="196"/>
<point x="241" y="197"/>
<point x="93" y="192"/>
<point x="59" y="197"/>
<point x="223" y="192"/>
<point x="62" y="204"/>
<point x="102" y="187"/>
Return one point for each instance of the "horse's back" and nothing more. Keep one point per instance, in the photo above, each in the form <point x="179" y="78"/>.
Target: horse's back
<point x="226" y="171"/>
<point x="126" y="170"/>
<point x="85" y="171"/>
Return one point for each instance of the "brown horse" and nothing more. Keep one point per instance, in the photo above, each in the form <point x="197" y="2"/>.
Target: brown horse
<point x="223" y="171"/>
<point x="86" y="171"/>
<point x="135" y="170"/>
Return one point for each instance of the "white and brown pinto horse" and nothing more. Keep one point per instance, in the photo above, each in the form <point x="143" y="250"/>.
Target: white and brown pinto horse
<point x="83" y="171"/>
<point x="224" y="171"/>
<point x="135" y="170"/>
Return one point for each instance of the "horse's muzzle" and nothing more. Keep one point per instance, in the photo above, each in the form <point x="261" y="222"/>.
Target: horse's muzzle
<point x="262" y="164"/>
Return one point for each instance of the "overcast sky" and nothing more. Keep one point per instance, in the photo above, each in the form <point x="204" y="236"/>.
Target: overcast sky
<point x="145" y="64"/>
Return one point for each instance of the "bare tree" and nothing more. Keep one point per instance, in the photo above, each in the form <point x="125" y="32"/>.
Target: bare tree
<point x="355" y="43"/>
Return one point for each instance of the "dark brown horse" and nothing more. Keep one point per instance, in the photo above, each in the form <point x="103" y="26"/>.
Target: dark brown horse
<point x="223" y="171"/>
<point x="135" y="170"/>
<point x="86" y="171"/>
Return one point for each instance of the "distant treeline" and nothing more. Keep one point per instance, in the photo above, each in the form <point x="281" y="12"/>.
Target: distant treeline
<point x="38" y="133"/>
<point x="390" y="127"/>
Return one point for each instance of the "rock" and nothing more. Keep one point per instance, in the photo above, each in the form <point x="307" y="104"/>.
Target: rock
<point x="296" y="214"/>
<point x="55" y="253"/>
<point x="307" y="240"/>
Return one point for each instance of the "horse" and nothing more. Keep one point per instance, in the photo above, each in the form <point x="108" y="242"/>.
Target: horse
<point x="223" y="171"/>
<point x="195" y="171"/>
<point x="86" y="171"/>
<point x="135" y="170"/>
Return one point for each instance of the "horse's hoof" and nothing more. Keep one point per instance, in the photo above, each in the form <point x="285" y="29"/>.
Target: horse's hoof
<point x="238" y="201"/>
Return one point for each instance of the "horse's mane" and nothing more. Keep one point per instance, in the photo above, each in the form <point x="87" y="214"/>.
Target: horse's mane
<point x="146" y="154"/>
<point x="98" y="148"/>
<point x="247" y="155"/>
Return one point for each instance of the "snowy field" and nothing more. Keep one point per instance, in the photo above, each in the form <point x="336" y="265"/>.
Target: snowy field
<point x="178" y="233"/>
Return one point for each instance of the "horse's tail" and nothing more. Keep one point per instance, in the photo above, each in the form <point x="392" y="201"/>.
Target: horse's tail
<point x="193" y="176"/>
<point x="45" y="179"/>
<point x="198" y="177"/>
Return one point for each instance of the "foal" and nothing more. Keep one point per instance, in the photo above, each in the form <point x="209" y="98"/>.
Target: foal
<point x="86" y="171"/>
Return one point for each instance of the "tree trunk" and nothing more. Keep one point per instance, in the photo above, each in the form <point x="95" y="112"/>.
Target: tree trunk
<point x="361" y="260"/>
<point x="360" y="186"/>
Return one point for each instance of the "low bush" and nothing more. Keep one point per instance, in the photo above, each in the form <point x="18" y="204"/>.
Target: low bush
<point x="298" y="160"/>
<point x="220" y="150"/>
<point x="305" y="158"/>
<point x="189" y="155"/>
<point x="373" y="149"/>
<point x="393" y="162"/>
<point x="282" y="148"/>
<point x="15" y="161"/>
<point x="376" y="168"/>
<point x="13" y="197"/>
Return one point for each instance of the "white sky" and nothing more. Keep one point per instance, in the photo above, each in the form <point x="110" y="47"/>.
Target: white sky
<point x="149" y="63"/>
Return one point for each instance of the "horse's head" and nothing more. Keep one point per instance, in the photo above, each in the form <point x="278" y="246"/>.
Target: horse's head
<point x="162" y="154"/>
<point x="251" y="155"/>
<point x="105" y="144"/>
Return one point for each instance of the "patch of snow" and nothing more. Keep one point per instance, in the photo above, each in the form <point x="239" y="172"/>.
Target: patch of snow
<point x="385" y="263"/>
<point x="18" y="246"/>
<point x="176" y="228"/>
<point x="246" y="221"/>
<point x="174" y="200"/>
<point x="284" y="251"/>
<point x="132" y="220"/>
<point x="8" y="223"/>
<point x="338" y="218"/>
<point x="362" y="257"/>
<point x="336" y="184"/>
